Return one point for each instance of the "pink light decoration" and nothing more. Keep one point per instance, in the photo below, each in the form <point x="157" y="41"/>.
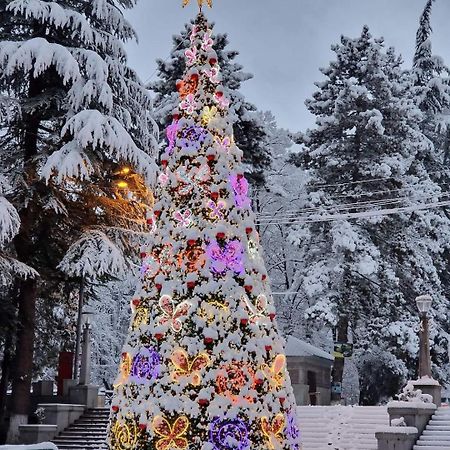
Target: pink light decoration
<point x="221" y="100"/>
<point x="163" y="179"/>
<point x="194" y="33"/>
<point x="213" y="75"/>
<point x="172" y="314"/>
<point x="171" y="133"/>
<point x="228" y="258"/>
<point x="189" y="104"/>
<point x="240" y="188"/>
<point x="191" y="56"/>
<point x="224" y="144"/>
<point x="207" y="42"/>
<point x="183" y="218"/>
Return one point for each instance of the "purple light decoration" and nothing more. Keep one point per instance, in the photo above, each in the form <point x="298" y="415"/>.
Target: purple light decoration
<point x="193" y="136"/>
<point x="230" y="257"/>
<point x="171" y="133"/>
<point x="229" y="434"/>
<point x="292" y="431"/>
<point x="146" y="365"/>
<point x="240" y="189"/>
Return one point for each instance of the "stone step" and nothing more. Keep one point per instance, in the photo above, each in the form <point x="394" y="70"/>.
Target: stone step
<point x="430" y="447"/>
<point x="423" y="443"/>
<point x="438" y="427"/>
<point x="80" y="438"/>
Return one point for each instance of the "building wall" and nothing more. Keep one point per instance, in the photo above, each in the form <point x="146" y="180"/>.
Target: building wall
<point x="298" y="368"/>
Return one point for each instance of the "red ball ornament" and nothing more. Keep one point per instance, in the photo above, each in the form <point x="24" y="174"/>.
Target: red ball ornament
<point x="124" y="354"/>
<point x="142" y="426"/>
<point x="240" y="175"/>
<point x="115" y="408"/>
<point x="244" y="322"/>
<point x="164" y="163"/>
<point x="213" y="61"/>
<point x="176" y="117"/>
<point x="272" y="316"/>
<point x="264" y="276"/>
<point x="203" y="402"/>
<point x="259" y="381"/>
<point x="268" y="348"/>
<point x="282" y="400"/>
<point x="136" y="302"/>
<point x="159" y="336"/>
<point x="157" y="213"/>
<point x="248" y="230"/>
<point x="220" y="235"/>
<point x="192" y="242"/>
<point x="248" y="288"/>
<point x="194" y="77"/>
<point x="191" y="284"/>
<point x="208" y="340"/>
<point x="143" y="254"/>
<point x="219" y="94"/>
<point x="158" y="286"/>
<point x="211" y="158"/>
<point x="215" y="196"/>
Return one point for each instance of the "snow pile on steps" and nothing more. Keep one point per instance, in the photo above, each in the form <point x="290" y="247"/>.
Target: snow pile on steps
<point x="341" y="427"/>
<point x="42" y="446"/>
<point x="436" y="435"/>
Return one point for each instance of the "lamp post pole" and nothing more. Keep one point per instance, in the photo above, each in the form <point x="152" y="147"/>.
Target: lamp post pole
<point x="424" y="305"/>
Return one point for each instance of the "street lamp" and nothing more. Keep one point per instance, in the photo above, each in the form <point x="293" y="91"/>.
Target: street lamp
<point x="424" y="305"/>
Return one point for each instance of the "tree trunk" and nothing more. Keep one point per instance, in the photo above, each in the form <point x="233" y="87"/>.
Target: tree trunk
<point x="338" y="367"/>
<point x="23" y="361"/>
<point x="26" y="248"/>
<point x="4" y="381"/>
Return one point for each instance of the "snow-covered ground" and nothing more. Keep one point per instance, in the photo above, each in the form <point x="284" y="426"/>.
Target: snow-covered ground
<point x="42" y="446"/>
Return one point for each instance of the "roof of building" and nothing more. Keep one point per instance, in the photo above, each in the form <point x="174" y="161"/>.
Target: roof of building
<point x="297" y="347"/>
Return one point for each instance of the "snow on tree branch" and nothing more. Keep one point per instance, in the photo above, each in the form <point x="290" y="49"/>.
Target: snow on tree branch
<point x="94" y="255"/>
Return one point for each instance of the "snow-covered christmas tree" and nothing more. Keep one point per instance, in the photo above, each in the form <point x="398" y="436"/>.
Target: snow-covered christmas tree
<point x="203" y="365"/>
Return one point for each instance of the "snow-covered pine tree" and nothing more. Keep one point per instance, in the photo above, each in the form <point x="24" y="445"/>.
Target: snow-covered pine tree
<point x="78" y="113"/>
<point x="249" y="127"/>
<point x="203" y="364"/>
<point x="368" y="153"/>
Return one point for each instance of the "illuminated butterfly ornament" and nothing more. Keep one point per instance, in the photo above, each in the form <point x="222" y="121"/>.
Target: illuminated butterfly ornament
<point x="230" y="257"/>
<point x="187" y="87"/>
<point x="213" y="75"/>
<point x="183" y="218"/>
<point x="125" y="370"/>
<point x="221" y="100"/>
<point x="258" y="311"/>
<point x="172" y="314"/>
<point x="207" y="42"/>
<point x="217" y="209"/>
<point x="214" y="310"/>
<point x="273" y="430"/>
<point x="224" y="144"/>
<point x="240" y="189"/>
<point x="275" y="372"/>
<point x="232" y="378"/>
<point x="208" y="114"/>
<point x="189" y="104"/>
<point x="184" y="367"/>
<point x="171" y="133"/>
<point x="192" y="259"/>
<point x="191" y="56"/>
<point x="194" y="178"/>
<point x="200" y="3"/>
<point x="171" y="436"/>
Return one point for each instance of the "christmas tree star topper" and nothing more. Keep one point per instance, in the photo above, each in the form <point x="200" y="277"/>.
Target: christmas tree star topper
<point x="200" y="3"/>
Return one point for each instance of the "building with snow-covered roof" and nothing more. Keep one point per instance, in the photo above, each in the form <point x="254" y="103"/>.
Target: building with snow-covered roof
<point x="310" y="371"/>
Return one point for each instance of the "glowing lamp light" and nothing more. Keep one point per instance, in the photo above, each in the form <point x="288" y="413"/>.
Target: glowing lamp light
<point x="423" y="303"/>
<point x="122" y="184"/>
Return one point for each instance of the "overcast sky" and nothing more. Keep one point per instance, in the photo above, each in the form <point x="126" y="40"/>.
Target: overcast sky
<point x="284" y="42"/>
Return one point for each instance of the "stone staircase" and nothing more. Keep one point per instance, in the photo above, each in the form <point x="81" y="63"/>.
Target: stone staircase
<point x="341" y="427"/>
<point x="88" y="432"/>
<point x="437" y="433"/>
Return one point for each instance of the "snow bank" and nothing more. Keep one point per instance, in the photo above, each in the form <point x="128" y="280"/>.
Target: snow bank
<point x="41" y="446"/>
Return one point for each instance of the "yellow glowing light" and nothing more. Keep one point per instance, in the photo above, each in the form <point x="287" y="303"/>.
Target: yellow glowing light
<point x="272" y="430"/>
<point x="140" y="318"/>
<point x="200" y="3"/>
<point x="122" y="184"/>
<point x="171" y="436"/>
<point x="125" y="436"/>
<point x="184" y="367"/>
<point x="125" y="171"/>
<point x="125" y="369"/>
<point x="208" y="114"/>
<point x="275" y="372"/>
<point x="208" y="312"/>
